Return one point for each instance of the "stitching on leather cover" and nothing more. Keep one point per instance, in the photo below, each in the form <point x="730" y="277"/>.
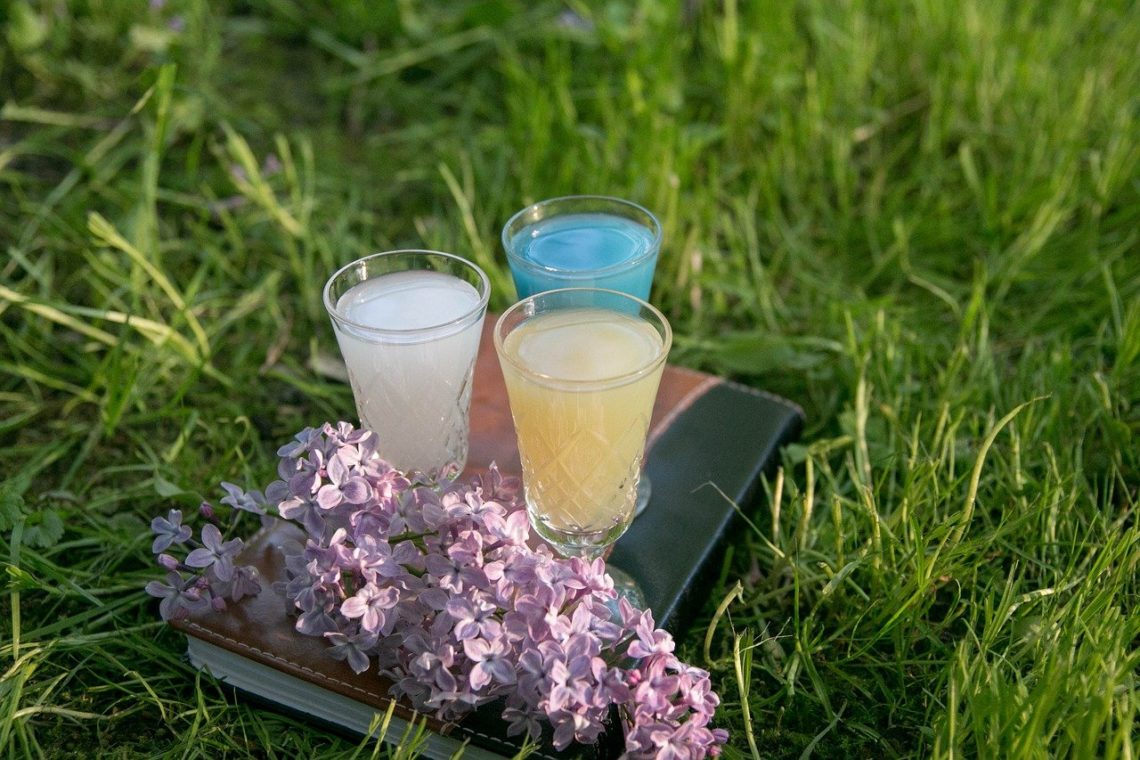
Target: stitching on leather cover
<point x="698" y="391"/>
<point x="746" y="388"/>
<point x="770" y="396"/>
<point x="278" y="658"/>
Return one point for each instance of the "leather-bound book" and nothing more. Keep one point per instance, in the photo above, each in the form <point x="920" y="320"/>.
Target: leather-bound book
<point x="710" y="441"/>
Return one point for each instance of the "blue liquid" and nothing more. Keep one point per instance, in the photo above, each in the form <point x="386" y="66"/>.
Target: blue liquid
<point x="583" y="251"/>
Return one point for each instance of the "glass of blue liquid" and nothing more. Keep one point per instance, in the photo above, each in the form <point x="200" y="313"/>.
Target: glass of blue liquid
<point x="584" y="241"/>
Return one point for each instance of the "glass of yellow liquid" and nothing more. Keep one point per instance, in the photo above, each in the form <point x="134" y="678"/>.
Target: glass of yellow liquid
<point x="582" y="367"/>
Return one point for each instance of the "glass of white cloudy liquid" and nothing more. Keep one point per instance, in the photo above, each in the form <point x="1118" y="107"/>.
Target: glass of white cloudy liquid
<point x="408" y="324"/>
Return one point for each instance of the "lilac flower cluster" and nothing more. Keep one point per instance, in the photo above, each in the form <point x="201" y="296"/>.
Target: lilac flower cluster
<point x="436" y="584"/>
<point x="207" y="576"/>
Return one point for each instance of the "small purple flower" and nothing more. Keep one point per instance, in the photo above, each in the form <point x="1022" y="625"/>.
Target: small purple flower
<point x="252" y="501"/>
<point x="539" y="606"/>
<point x="561" y="691"/>
<point x="570" y="726"/>
<point x="520" y="720"/>
<point x="594" y="576"/>
<point x="302" y="443"/>
<point x="417" y="510"/>
<point x="179" y="597"/>
<point x="353" y="648"/>
<point x="512" y="529"/>
<point x="214" y="554"/>
<point x="433" y="598"/>
<point x="611" y="680"/>
<point x="343" y="487"/>
<point x="601" y="623"/>
<point x="695" y="688"/>
<point x="470" y="505"/>
<point x="168" y="530"/>
<point x="469" y="615"/>
<point x="315" y="622"/>
<point x="370" y="558"/>
<point x="495" y="487"/>
<point x="562" y="574"/>
<point x="650" y="641"/>
<point x="371" y="604"/>
<point x="453" y="575"/>
<point x="246" y="582"/>
<point x="306" y="480"/>
<point x="305" y="511"/>
<point x="581" y="649"/>
<point x="514" y="569"/>
<point x="277" y="492"/>
<point x="656" y="689"/>
<point x="343" y="433"/>
<point x="467" y="549"/>
<point x="491" y="662"/>
<point x="432" y="667"/>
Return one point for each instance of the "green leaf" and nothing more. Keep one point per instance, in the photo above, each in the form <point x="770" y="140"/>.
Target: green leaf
<point x="796" y="452"/>
<point x="165" y="488"/>
<point x="45" y="529"/>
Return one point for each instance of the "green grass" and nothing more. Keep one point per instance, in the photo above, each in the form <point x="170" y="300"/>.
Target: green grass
<point x="919" y="220"/>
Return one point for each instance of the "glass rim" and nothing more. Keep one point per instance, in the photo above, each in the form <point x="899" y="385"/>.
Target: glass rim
<point x="651" y="250"/>
<point x="612" y="380"/>
<point x="484" y="293"/>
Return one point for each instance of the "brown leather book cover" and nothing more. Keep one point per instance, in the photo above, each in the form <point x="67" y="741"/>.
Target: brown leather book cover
<point x="710" y="440"/>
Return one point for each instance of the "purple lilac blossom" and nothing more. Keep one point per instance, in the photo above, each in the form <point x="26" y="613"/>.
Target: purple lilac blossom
<point x="343" y="486"/>
<point x="168" y="530"/>
<point x="371" y="605"/>
<point x="353" y="648"/>
<point x="252" y="501"/>
<point x="179" y="598"/>
<point x="215" y="554"/>
<point x="435" y="585"/>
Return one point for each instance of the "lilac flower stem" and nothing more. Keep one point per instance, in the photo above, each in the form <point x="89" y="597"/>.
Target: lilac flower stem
<point x="400" y="537"/>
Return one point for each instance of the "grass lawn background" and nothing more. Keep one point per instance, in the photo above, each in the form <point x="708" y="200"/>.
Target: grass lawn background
<point x="919" y="220"/>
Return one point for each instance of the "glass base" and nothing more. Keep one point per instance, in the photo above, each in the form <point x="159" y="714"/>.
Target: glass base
<point x="626" y="588"/>
<point x="588" y="544"/>
<point x="644" y="490"/>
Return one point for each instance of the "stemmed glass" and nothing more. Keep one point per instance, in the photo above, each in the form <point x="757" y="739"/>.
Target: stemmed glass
<point x="582" y="367"/>
<point x="584" y="241"/>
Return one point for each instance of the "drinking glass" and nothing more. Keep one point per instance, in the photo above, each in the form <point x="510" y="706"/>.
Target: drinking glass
<point x="583" y="241"/>
<point x="582" y="368"/>
<point x="587" y="241"/>
<point x="408" y="324"/>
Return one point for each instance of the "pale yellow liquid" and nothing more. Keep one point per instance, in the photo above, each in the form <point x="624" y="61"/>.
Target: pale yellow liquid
<point x="581" y="432"/>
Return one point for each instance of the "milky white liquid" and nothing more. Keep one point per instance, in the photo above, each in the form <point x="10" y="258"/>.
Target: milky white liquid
<point x="412" y="389"/>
